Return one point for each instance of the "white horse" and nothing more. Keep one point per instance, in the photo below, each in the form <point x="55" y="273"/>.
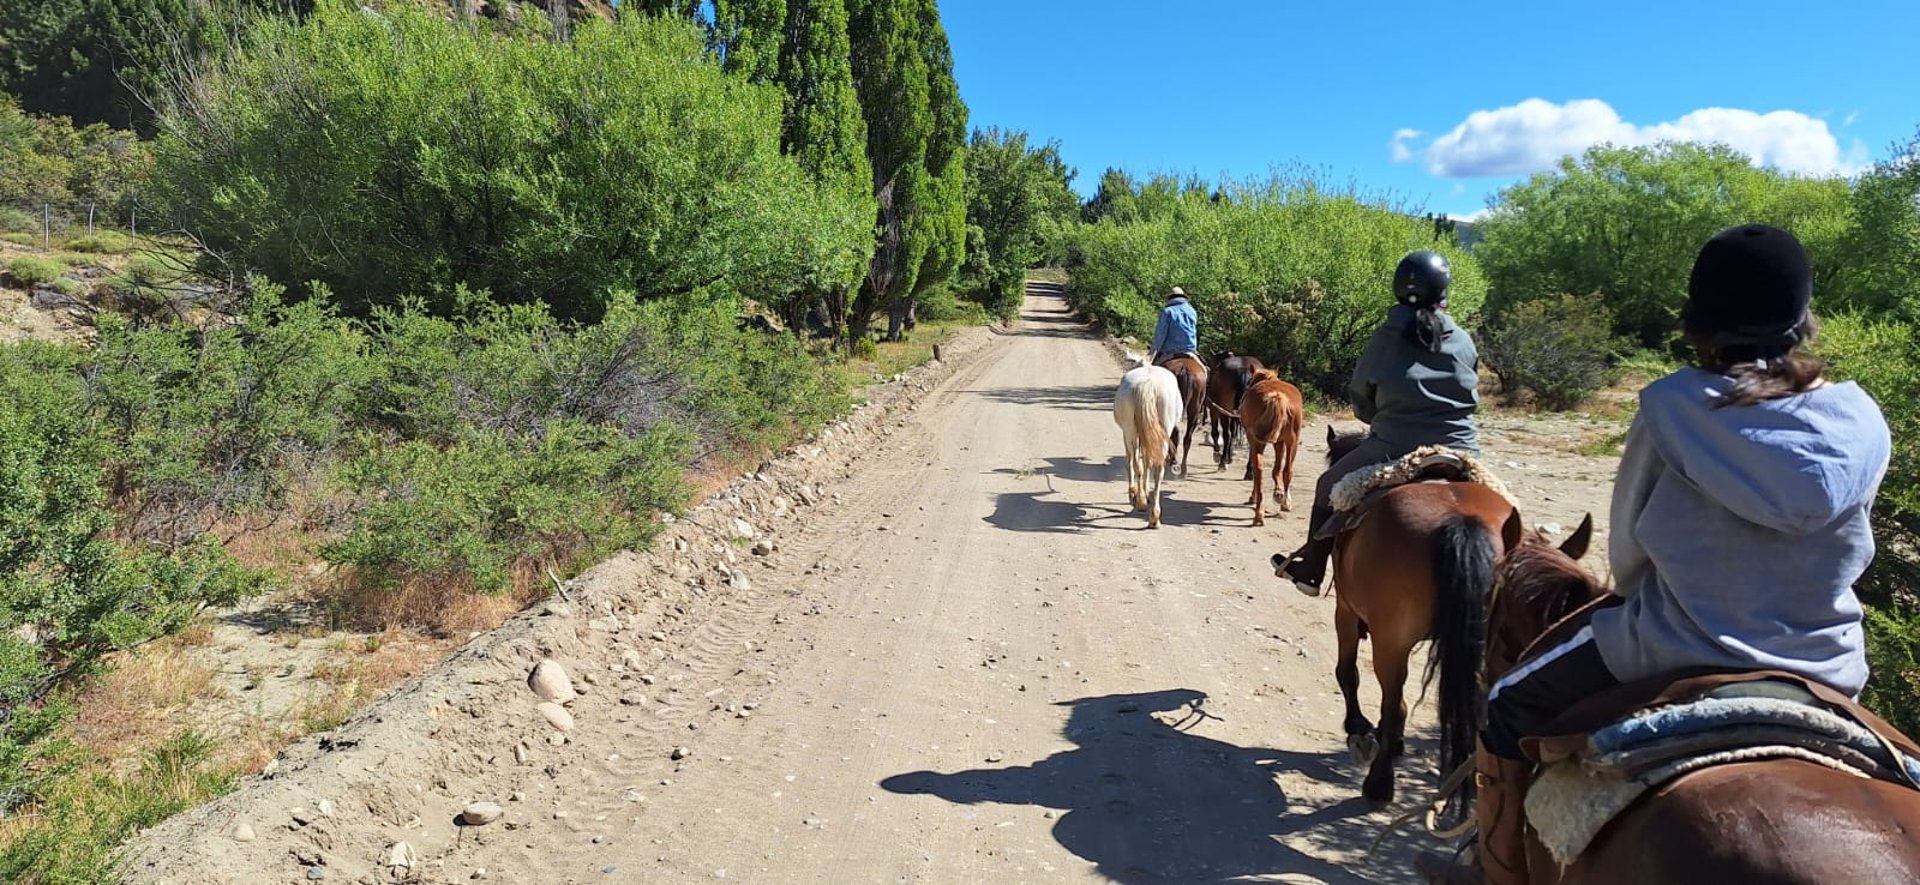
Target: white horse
<point x="1147" y="407"/>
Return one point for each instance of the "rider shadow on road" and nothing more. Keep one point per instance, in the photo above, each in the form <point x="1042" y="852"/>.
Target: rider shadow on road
<point x="1147" y="800"/>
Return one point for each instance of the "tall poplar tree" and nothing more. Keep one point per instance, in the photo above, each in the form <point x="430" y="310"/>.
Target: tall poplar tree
<point x="916" y="129"/>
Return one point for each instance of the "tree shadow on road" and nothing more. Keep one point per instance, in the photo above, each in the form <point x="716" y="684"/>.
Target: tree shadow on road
<point x="1147" y="800"/>
<point x="1093" y="397"/>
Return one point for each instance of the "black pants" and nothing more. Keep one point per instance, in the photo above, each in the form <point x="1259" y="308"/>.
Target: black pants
<point x="1528" y="699"/>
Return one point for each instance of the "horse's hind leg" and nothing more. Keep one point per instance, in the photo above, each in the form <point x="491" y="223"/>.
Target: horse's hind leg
<point x="1258" y="501"/>
<point x="1283" y="468"/>
<point x="1136" y="476"/>
<point x="1186" y="449"/>
<point x="1346" y="672"/>
<point x="1153" y="514"/>
<point x="1390" y="667"/>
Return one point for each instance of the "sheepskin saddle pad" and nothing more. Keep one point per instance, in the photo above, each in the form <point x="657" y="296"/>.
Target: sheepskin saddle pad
<point x="1571" y="800"/>
<point x="1358" y="490"/>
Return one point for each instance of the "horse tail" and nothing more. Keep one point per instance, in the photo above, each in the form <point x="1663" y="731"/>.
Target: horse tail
<point x="1147" y="426"/>
<point x="1463" y="556"/>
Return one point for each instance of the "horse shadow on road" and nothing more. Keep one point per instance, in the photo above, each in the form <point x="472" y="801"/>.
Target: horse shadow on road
<point x="1045" y="511"/>
<point x="1148" y="800"/>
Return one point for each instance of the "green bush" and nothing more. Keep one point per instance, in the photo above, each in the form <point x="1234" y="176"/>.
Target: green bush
<point x="1285" y="269"/>
<point x="496" y="506"/>
<point x="536" y="170"/>
<point x="211" y="422"/>
<point x="29" y="271"/>
<point x="1626" y="223"/>
<point x="16" y="221"/>
<point x="104" y="242"/>
<point x="69" y="594"/>
<point x="1558" y="348"/>
<point x="943" y="304"/>
<point x="1884" y="357"/>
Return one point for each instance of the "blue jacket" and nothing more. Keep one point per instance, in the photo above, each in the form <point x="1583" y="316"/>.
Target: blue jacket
<point x="1413" y="397"/>
<point x="1738" y="532"/>
<point x="1177" y="331"/>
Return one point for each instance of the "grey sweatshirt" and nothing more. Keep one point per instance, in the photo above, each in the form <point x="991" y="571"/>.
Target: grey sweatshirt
<point x="1738" y="532"/>
<point x="1415" y="397"/>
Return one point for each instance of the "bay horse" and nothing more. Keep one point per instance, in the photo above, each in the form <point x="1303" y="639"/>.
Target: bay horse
<point x="1273" y="412"/>
<point x="1417" y="567"/>
<point x="1147" y="408"/>
<point x="1191" y="374"/>
<point x="1227" y="382"/>
<point x="1785" y="821"/>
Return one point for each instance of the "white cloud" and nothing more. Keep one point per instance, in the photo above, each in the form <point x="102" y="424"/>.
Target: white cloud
<point x="1402" y="153"/>
<point x="1533" y="135"/>
<point x="1475" y="215"/>
<point x="1849" y="119"/>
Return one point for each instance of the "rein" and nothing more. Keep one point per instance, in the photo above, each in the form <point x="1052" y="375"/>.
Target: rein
<point x="1432" y="811"/>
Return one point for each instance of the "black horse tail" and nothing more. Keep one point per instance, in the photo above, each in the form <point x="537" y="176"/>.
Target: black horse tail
<point x="1463" y="555"/>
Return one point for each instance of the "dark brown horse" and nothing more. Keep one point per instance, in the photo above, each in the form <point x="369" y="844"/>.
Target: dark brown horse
<point x="1273" y="412"/>
<point x="1226" y="384"/>
<point x="1417" y="567"/>
<point x="1191" y="373"/>
<point x="1780" y="821"/>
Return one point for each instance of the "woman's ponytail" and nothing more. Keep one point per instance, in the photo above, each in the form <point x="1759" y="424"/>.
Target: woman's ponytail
<point x="1428" y="328"/>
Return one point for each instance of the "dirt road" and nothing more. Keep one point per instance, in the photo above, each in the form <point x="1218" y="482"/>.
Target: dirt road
<point x="973" y="665"/>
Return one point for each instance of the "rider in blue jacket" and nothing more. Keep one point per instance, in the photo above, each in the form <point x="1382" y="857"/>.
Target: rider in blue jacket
<point x="1177" y="331"/>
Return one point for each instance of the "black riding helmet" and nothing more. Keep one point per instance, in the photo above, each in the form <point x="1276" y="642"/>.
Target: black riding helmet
<point x="1422" y="279"/>
<point x="1749" y="291"/>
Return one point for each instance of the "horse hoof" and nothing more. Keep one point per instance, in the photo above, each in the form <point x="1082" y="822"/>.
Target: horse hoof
<point x="1363" y="748"/>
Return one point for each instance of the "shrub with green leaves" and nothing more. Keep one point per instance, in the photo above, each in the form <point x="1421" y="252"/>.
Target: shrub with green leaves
<point x="1884" y="357"/>
<point x="396" y="153"/>
<point x="29" y="271"/>
<point x="210" y="422"/>
<point x="104" y="242"/>
<point x="1286" y="269"/>
<point x="69" y="593"/>
<point x="479" y="511"/>
<point x="1557" y="348"/>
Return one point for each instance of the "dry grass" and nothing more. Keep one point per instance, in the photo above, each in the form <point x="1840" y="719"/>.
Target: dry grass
<point x="140" y="700"/>
<point x="443" y="608"/>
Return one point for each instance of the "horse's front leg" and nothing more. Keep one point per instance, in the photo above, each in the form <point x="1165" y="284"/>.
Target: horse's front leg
<point x="1390" y="667"/>
<point x="1346" y="672"/>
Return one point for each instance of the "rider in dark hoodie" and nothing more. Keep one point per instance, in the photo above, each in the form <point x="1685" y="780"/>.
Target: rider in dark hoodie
<point x="1740" y="519"/>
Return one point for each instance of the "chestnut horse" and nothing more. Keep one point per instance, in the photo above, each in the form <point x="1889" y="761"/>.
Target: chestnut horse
<point x="1417" y="567"/>
<point x="1783" y="821"/>
<point x="1272" y="412"/>
<point x="1192" y="377"/>
<point x="1227" y="382"/>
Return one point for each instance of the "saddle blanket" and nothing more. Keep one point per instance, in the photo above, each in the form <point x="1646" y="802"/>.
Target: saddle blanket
<point x="1572" y="800"/>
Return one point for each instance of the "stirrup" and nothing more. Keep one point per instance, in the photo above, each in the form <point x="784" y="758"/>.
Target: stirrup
<point x="1280" y="566"/>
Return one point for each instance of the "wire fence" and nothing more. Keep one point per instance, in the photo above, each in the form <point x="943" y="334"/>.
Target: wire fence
<point x="50" y="226"/>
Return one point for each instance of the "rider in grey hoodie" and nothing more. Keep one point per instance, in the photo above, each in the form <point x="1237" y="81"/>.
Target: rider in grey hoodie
<point x="1740" y="522"/>
<point x="1738" y="532"/>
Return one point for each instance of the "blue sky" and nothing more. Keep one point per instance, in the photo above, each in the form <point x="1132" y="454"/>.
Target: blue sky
<point x="1438" y="103"/>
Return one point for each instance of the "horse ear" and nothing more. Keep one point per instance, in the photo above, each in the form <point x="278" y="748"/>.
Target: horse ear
<point x="1575" y="546"/>
<point x="1331" y="436"/>
<point x="1514" y="531"/>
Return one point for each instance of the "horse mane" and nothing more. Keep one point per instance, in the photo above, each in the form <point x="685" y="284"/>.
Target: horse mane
<point x="1538" y="578"/>
<point x="1260" y="375"/>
